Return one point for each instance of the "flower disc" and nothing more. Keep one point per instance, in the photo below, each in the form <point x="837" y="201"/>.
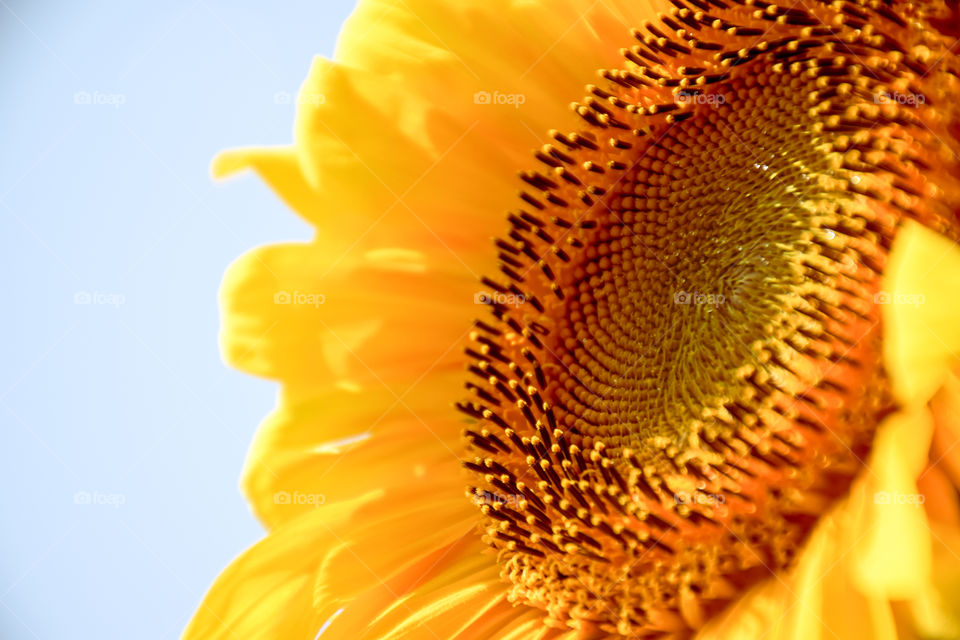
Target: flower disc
<point x="682" y="368"/>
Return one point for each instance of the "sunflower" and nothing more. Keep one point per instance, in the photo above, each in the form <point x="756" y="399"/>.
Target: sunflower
<point x="703" y="382"/>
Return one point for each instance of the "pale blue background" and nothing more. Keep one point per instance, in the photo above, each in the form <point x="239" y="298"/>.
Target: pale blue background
<point x="131" y="400"/>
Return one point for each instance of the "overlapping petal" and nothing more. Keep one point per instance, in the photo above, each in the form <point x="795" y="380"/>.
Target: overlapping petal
<point x="319" y="313"/>
<point x="274" y="576"/>
<point x="923" y="335"/>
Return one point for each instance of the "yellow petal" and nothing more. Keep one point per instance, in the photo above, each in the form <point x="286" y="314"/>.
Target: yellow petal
<point x="816" y="599"/>
<point x="892" y="559"/>
<point x="527" y="627"/>
<point x="397" y="131"/>
<point x="447" y="611"/>
<point x="338" y="443"/>
<point x="936" y="609"/>
<point x="296" y="580"/>
<point x="424" y="516"/>
<point x="921" y="312"/>
<point x="945" y="452"/>
<point x="280" y="169"/>
<point x="781" y="608"/>
<point x="267" y="592"/>
<point x="447" y="595"/>
<point x="315" y="312"/>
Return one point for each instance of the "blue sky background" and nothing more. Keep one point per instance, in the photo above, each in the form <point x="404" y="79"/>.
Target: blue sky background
<point x="125" y="400"/>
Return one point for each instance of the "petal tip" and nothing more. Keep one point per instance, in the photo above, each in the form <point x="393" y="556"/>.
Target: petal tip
<point x="229" y="162"/>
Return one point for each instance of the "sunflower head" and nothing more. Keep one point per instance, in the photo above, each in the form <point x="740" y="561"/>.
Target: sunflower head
<point x="682" y="369"/>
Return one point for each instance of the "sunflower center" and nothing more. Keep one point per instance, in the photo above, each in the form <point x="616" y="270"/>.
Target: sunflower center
<point x="672" y="386"/>
<point x="688" y="285"/>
